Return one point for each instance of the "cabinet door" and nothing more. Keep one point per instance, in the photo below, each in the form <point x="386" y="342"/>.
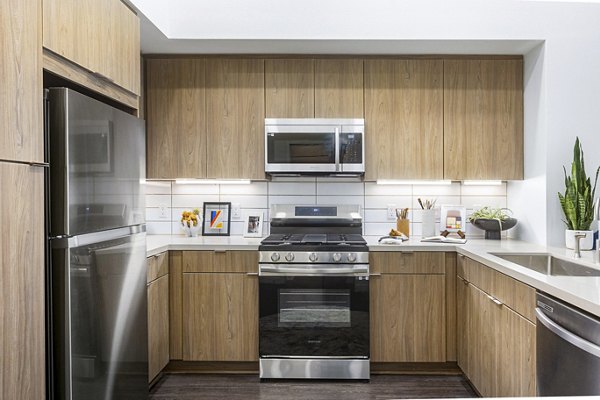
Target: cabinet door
<point x="404" y="119"/>
<point x="483" y="119"/>
<point x="22" y="346"/>
<point x="176" y="118"/>
<point x="221" y="317"/>
<point x="339" y="89"/>
<point x="100" y="36"/>
<point x="21" y="129"/>
<point x="516" y="375"/>
<point x="235" y="110"/>
<point x="289" y="88"/>
<point x="158" y="326"/>
<point x="408" y="320"/>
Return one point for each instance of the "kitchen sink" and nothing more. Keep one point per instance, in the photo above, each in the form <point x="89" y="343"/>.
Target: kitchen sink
<point x="548" y="264"/>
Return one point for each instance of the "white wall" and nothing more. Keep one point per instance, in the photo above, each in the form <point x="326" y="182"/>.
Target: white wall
<point x="562" y="79"/>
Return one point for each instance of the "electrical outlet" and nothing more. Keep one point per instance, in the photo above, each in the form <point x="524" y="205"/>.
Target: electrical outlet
<point x="391" y="211"/>
<point x="163" y="211"/>
<point x="236" y="211"/>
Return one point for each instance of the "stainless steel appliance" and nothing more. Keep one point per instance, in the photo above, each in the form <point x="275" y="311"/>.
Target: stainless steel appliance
<point x="96" y="263"/>
<point x="568" y="350"/>
<point x="315" y="146"/>
<point x="314" y="294"/>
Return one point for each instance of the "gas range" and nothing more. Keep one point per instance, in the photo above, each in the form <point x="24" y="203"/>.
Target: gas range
<point x="314" y="294"/>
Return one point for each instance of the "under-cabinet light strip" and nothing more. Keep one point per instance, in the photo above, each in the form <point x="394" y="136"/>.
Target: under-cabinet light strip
<point x="411" y="182"/>
<point x="212" y="182"/>
<point x="482" y="183"/>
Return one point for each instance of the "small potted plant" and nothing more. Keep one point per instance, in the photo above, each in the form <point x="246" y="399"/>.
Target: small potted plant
<point x="578" y="201"/>
<point x="492" y="221"/>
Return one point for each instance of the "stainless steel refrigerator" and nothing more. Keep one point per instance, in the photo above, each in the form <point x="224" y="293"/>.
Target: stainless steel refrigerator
<point x="98" y="344"/>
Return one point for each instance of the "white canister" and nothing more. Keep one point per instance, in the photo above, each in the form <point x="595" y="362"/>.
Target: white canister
<point x="586" y="243"/>
<point x="428" y="226"/>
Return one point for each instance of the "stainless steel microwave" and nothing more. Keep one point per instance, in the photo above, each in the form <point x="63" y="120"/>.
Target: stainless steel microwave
<point x="314" y="146"/>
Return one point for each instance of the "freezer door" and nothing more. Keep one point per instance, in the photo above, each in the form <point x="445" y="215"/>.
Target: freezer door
<point x="100" y="317"/>
<point x="97" y="164"/>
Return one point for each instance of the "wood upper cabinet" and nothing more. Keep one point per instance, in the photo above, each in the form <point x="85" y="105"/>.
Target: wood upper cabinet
<point x="289" y="88"/>
<point x="22" y="320"/>
<point x="158" y="325"/>
<point x="221" y="317"/>
<point x="339" y="88"/>
<point x="408" y="311"/>
<point x="21" y="128"/>
<point x="235" y="112"/>
<point x="176" y="118"/>
<point x="404" y="118"/>
<point x="483" y="119"/>
<point x="100" y="36"/>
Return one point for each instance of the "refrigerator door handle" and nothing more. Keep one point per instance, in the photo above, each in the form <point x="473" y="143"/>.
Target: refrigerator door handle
<point x="62" y="242"/>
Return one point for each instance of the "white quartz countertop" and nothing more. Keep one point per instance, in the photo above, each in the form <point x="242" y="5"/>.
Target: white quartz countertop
<point x="583" y="292"/>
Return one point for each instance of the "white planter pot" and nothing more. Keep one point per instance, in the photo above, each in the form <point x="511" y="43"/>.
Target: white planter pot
<point x="587" y="243"/>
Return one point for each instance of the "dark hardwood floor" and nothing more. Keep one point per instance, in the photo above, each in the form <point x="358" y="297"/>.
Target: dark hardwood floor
<point x="249" y="387"/>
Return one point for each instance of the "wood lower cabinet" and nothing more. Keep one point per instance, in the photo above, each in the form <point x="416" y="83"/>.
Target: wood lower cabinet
<point x="408" y="309"/>
<point x="101" y="36"/>
<point x="404" y="119"/>
<point x="176" y="118"/>
<point x="21" y="129"/>
<point x="221" y="317"/>
<point x="22" y="335"/>
<point x="158" y="326"/>
<point x="496" y="345"/>
<point x="483" y="119"/>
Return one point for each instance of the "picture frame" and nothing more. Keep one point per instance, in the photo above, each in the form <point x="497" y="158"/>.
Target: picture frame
<point x="453" y="218"/>
<point x="217" y="219"/>
<point x="253" y="224"/>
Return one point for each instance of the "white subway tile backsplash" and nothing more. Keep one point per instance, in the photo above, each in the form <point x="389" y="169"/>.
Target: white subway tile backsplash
<point x="158" y="200"/>
<point x="292" y="188"/>
<point x="195" y="189"/>
<point x="247" y="201"/>
<point x="372" y="198"/>
<point x="193" y="200"/>
<point x="340" y="189"/>
<point x="383" y="201"/>
<point x="373" y="189"/>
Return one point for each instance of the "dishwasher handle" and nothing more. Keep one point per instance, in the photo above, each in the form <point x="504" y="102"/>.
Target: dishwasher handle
<point x="566" y="335"/>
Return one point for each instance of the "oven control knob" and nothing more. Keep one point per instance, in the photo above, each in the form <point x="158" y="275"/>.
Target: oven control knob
<point x="289" y="257"/>
<point x="313" y="257"/>
<point x="275" y="257"/>
<point x="352" y="257"/>
<point x="337" y="257"/>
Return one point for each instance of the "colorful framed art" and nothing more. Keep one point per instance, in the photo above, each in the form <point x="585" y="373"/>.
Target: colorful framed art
<point x="217" y="219"/>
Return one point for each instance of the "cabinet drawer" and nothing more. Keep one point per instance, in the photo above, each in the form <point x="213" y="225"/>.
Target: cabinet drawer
<point x="220" y="261"/>
<point x="396" y="262"/>
<point x="157" y="266"/>
<point x="514" y="294"/>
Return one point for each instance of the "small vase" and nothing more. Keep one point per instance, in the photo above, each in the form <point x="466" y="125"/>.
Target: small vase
<point x="586" y="243"/>
<point x="403" y="226"/>
<point x="191" y="231"/>
<point x="428" y="225"/>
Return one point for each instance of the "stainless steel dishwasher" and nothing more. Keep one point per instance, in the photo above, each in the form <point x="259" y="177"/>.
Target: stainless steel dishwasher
<point x="568" y="350"/>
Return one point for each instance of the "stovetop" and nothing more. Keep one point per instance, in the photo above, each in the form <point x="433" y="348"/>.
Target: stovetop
<point x="326" y="239"/>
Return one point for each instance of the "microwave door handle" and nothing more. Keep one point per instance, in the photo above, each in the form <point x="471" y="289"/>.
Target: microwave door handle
<point x="337" y="149"/>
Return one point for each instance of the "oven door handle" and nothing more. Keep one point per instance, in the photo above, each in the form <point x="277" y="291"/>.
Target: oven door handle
<point x="277" y="270"/>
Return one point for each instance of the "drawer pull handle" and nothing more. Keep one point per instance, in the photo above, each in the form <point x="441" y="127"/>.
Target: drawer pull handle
<point x="252" y="273"/>
<point x="495" y="300"/>
<point x="220" y="251"/>
<point x="375" y="274"/>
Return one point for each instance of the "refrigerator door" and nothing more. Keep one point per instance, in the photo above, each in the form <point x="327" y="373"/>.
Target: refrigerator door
<point x="97" y="162"/>
<point x="100" y="316"/>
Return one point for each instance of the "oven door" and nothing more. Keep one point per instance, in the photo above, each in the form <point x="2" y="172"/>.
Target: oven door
<point x="301" y="148"/>
<point x="314" y="316"/>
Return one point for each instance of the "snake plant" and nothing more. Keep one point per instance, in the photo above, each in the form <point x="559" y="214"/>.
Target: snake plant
<point x="577" y="201"/>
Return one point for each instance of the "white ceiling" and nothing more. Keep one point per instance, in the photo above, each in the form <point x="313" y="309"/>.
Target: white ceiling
<point x="347" y="26"/>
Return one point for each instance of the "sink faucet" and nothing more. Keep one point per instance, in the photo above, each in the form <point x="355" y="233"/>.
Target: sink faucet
<point x="578" y="238"/>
